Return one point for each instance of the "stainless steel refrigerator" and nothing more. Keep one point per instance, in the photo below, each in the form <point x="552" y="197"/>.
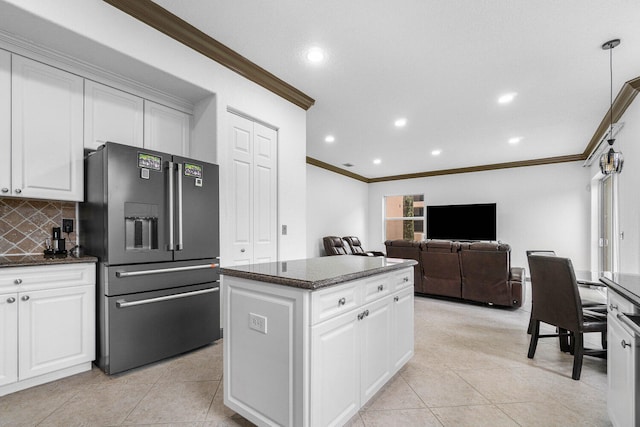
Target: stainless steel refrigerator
<point x="152" y="219"/>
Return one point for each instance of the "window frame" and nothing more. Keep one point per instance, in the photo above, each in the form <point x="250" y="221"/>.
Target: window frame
<point x="385" y="218"/>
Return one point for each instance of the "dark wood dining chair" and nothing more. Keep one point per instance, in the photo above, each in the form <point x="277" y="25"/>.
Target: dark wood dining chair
<point x="556" y="301"/>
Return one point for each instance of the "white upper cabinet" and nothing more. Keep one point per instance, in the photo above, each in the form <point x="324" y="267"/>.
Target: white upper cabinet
<point x="111" y="115"/>
<point x="47" y="123"/>
<point x="166" y="129"/>
<point x="5" y="122"/>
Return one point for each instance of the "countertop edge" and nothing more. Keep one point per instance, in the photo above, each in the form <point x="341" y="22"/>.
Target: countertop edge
<point x="318" y="284"/>
<point x="624" y="292"/>
<point x="38" y="261"/>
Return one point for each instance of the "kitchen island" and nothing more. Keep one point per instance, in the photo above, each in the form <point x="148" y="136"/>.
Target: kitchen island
<point x="309" y="342"/>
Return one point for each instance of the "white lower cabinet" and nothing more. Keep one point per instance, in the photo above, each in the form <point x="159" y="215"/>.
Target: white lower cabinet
<point x="296" y="357"/>
<point x="8" y="338"/>
<point x="48" y="324"/>
<point x="623" y="372"/>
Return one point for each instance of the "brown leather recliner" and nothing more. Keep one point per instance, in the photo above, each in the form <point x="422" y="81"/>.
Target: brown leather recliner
<point x="407" y="250"/>
<point x="441" y="268"/>
<point x="487" y="275"/>
<point x="334" y="245"/>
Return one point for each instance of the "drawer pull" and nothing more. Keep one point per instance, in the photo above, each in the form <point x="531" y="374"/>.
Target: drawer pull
<point x="342" y="301"/>
<point x="363" y="314"/>
<point x="396" y="298"/>
<point x="380" y="288"/>
<point x="123" y="303"/>
<point x="25" y="298"/>
<point x="11" y="300"/>
<point x="17" y="281"/>
<point x="613" y="307"/>
<point x="122" y="274"/>
<point x="624" y="344"/>
<point x="406" y="279"/>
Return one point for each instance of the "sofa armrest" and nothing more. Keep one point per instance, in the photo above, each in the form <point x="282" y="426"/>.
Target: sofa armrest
<point x="516" y="279"/>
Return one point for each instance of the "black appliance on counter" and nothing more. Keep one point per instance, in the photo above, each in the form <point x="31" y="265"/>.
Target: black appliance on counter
<point x="152" y="220"/>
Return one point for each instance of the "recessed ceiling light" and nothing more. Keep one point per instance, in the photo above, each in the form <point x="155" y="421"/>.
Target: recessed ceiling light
<point x="436" y="152"/>
<point x="401" y="122"/>
<point x="377" y="161"/>
<point x="507" y="98"/>
<point x="515" y="140"/>
<point x="315" y="54"/>
<point x="329" y="139"/>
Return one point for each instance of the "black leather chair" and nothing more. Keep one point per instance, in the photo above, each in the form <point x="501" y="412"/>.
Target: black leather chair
<point x="356" y="247"/>
<point x="556" y="301"/>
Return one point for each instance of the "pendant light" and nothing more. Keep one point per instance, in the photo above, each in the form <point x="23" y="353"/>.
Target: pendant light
<point x="611" y="161"/>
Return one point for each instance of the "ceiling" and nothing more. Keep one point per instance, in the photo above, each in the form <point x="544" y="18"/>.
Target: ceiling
<point x="441" y="65"/>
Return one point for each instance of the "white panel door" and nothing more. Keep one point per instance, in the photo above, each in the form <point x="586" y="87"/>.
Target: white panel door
<point x="5" y="123"/>
<point x="47" y="123"/>
<point x="56" y="329"/>
<point x="111" y="115"/>
<point x="253" y="176"/>
<point x="265" y="190"/>
<point x="8" y="338"/>
<point x="166" y="129"/>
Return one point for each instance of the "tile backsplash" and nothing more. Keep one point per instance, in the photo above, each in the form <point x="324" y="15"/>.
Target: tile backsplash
<point x="26" y="223"/>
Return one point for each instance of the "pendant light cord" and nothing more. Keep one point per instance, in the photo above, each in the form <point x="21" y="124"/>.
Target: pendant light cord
<point x="611" y="93"/>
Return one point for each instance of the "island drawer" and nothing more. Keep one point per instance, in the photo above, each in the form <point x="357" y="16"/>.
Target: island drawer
<point x="377" y="287"/>
<point x="330" y="302"/>
<point x="402" y="279"/>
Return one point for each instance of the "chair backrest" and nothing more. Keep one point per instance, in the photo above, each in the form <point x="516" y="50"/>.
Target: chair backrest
<point x="354" y="244"/>
<point x="441" y="267"/>
<point x="555" y="296"/>
<point x="334" y="245"/>
<point x="546" y="252"/>
<point x="485" y="272"/>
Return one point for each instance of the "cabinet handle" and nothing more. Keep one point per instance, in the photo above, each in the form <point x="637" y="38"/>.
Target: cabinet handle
<point x="624" y="344"/>
<point x="396" y="298"/>
<point x="25" y="298"/>
<point x="613" y="307"/>
<point x="366" y="313"/>
<point x="242" y="250"/>
<point x="380" y="288"/>
<point x="406" y="279"/>
<point x="18" y="191"/>
<point x="342" y="301"/>
<point x="11" y="300"/>
<point x="17" y="281"/>
<point x="5" y="190"/>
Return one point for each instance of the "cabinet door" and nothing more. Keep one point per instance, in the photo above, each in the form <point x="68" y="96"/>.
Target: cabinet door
<point x="166" y="129"/>
<point x="57" y="329"/>
<point x="402" y="329"/>
<point x="8" y="338"/>
<point x="111" y="115"/>
<point x="47" y="123"/>
<point x="375" y="335"/>
<point x="335" y="370"/>
<point x="5" y="122"/>
<point x="621" y="374"/>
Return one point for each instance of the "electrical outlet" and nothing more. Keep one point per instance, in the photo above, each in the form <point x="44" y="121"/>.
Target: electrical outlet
<point x="284" y="230"/>
<point x="67" y="225"/>
<point x="258" y="323"/>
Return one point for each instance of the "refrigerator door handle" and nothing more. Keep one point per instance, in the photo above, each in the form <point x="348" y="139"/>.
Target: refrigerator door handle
<point x="171" y="208"/>
<point x="121" y="274"/>
<point x="180" y="245"/>
<point x="124" y="303"/>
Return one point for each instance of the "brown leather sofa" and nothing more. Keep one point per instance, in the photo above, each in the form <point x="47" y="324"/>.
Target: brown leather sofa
<point x="477" y="271"/>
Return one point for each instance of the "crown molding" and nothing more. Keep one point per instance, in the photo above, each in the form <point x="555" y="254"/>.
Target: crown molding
<point x="164" y="21"/>
<point x="624" y="98"/>
<point x="331" y="168"/>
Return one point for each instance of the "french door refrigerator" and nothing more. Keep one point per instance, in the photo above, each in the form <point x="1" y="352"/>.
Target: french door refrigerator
<point x="151" y="218"/>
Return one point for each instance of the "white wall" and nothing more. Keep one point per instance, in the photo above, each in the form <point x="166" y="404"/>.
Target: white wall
<point x="98" y="21"/>
<point x="336" y="206"/>
<point x="538" y="207"/>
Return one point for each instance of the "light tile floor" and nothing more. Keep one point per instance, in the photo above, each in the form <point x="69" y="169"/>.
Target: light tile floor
<point x="470" y="369"/>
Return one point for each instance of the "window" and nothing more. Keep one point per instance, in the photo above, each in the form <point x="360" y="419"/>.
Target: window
<point x="404" y="217"/>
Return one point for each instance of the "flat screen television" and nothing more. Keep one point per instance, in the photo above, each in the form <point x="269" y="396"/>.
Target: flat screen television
<point x="462" y="222"/>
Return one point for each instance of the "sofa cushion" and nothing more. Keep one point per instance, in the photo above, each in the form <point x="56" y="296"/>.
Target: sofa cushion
<point x="485" y="273"/>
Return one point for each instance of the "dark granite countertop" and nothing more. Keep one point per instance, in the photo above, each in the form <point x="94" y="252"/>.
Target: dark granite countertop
<point x="34" y="260"/>
<point x="627" y="285"/>
<point x="316" y="273"/>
